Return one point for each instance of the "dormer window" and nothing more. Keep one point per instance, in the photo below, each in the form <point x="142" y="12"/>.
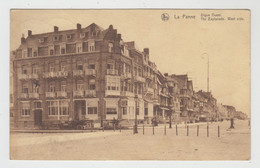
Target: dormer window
<point x="82" y="35"/>
<point x="55" y="38"/>
<point x="41" y="40"/>
<point x="68" y="36"/>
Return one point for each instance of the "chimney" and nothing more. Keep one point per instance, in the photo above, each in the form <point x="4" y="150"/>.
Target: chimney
<point x="29" y="33"/>
<point x="166" y="74"/>
<point x="56" y="29"/>
<point x="22" y="39"/>
<point x="110" y="27"/>
<point x="119" y="36"/>
<point x="146" y="51"/>
<point x="78" y="26"/>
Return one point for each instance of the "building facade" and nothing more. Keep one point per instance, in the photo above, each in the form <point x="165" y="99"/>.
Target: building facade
<point x="84" y="73"/>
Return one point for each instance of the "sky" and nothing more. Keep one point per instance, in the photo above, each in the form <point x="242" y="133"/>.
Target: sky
<point x="177" y="46"/>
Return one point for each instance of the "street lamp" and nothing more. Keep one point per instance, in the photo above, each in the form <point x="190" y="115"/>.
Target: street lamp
<point x="135" y="126"/>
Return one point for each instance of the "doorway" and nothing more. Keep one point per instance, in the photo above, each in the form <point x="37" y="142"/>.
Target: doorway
<point x="37" y="117"/>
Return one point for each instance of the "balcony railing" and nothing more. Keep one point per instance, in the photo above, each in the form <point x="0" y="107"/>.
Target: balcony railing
<point x="78" y="72"/>
<point x="112" y="72"/>
<point x="22" y="76"/>
<point x="58" y="74"/>
<point x="126" y="75"/>
<point x="34" y="95"/>
<point x="90" y="93"/>
<point x="78" y="93"/>
<point x="127" y="93"/>
<point x="50" y="94"/>
<point x="62" y="94"/>
<point x="61" y="74"/>
<point x="33" y="76"/>
<point x="90" y="72"/>
<point x="139" y="79"/>
<point x="112" y="93"/>
<point x="23" y="95"/>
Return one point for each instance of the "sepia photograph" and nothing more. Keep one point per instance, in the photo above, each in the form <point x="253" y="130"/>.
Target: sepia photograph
<point x="130" y="84"/>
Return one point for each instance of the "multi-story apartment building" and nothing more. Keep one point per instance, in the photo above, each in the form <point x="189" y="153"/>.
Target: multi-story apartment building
<point x="84" y="73"/>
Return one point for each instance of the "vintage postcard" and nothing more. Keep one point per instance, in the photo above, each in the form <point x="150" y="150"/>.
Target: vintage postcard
<point x="130" y="84"/>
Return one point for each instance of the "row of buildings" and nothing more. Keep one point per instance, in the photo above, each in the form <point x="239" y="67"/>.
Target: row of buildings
<point x="91" y="73"/>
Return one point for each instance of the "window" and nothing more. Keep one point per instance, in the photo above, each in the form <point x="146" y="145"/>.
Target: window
<point x="124" y="110"/>
<point x="63" y="87"/>
<point x="146" y="111"/>
<point x="36" y="88"/>
<point x="63" y="48"/>
<point x="92" y="84"/>
<point x="91" y="66"/>
<point x="78" y="47"/>
<point x="25" y="88"/>
<point x="62" y="66"/>
<point x="35" y="52"/>
<point x="110" y="66"/>
<point x="51" y="50"/>
<point x="52" y="88"/>
<point x="37" y="105"/>
<point x="80" y="87"/>
<point x="137" y="111"/>
<point x="24" y="53"/>
<point x="51" y="67"/>
<point x="64" y="108"/>
<point x="92" y="110"/>
<point x="110" y="47"/>
<point x="53" y="107"/>
<point x="24" y="69"/>
<point x="41" y="40"/>
<point x="112" y="83"/>
<point x="35" y="69"/>
<point x="55" y="38"/>
<point x="111" y="111"/>
<point x="92" y="46"/>
<point x="25" y="109"/>
<point x="82" y="35"/>
<point x="79" y="65"/>
<point x="68" y="36"/>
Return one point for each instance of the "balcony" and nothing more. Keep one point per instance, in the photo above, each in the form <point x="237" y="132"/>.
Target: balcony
<point x="90" y="72"/>
<point x="58" y="74"/>
<point x="112" y="93"/>
<point x="112" y="72"/>
<point x="90" y="93"/>
<point x="33" y="76"/>
<point x="126" y="75"/>
<point x="78" y="93"/>
<point x="23" y="95"/>
<point x="61" y="74"/>
<point x="127" y="93"/>
<point x="34" y="95"/>
<point x="61" y="94"/>
<point x="139" y="79"/>
<point x="50" y="94"/>
<point x="22" y="76"/>
<point x="78" y="72"/>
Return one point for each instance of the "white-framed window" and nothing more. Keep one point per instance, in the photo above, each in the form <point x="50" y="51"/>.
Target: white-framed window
<point x="91" y="46"/>
<point x="80" y="87"/>
<point x="82" y="35"/>
<point x="37" y="105"/>
<point x="68" y="36"/>
<point x="35" y="69"/>
<point x="63" y="86"/>
<point x="52" y="88"/>
<point x="36" y="88"/>
<point x="56" y="38"/>
<point x="92" y="110"/>
<point x="111" y="111"/>
<point x="35" y="52"/>
<point x="63" y="48"/>
<point x="24" y="53"/>
<point x="112" y="83"/>
<point x="110" y="47"/>
<point x="25" y="88"/>
<point x="110" y="66"/>
<point x="51" y="67"/>
<point x="79" y="47"/>
<point x="25" y="109"/>
<point x="51" y="50"/>
<point x="53" y="108"/>
<point x="124" y="110"/>
<point x="24" y="69"/>
<point x="64" y="107"/>
<point x="92" y="84"/>
<point x="62" y="66"/>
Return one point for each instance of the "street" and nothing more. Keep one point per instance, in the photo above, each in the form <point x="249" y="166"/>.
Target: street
<point x="233" y="144"/>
